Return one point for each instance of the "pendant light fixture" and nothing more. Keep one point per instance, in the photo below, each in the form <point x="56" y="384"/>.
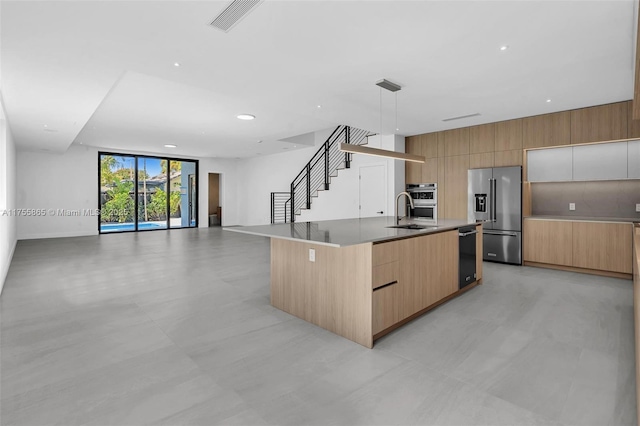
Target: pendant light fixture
<point x="359" y="149"/>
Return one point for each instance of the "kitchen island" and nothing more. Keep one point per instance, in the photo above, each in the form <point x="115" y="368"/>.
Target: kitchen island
<point x="362" y="278"/>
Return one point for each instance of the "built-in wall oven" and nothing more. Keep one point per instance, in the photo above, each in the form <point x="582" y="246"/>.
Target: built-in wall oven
<point x="425" y="200"/>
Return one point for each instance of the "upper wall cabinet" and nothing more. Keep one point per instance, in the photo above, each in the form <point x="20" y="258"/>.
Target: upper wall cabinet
<point x="633" y="160"/>
<point x="550" y="165"/>
<point x="607" y="161"/>
<point x="599" y="123"/>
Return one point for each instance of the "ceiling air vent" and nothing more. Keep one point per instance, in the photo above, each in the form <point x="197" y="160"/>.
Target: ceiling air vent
<point x="462" y="116"/>
<point x="233" y="13"/>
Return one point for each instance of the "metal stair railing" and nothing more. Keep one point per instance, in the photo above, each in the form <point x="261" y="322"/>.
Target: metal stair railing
<point x="316" y="175"/>
<point x="280" y="210"/>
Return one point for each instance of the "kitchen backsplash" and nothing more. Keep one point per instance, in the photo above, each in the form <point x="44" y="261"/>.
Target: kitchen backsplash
<point x="611" y="198"/>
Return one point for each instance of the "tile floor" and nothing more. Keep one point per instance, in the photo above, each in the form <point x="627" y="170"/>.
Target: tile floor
<point x="175" y="328"/>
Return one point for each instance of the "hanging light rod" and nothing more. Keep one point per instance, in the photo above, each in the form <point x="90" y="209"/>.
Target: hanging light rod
<point x="359" y="149"/>
<point x="386" y="84"/>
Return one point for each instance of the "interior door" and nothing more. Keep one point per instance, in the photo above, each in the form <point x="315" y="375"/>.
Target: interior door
<point x="373" y="191"/>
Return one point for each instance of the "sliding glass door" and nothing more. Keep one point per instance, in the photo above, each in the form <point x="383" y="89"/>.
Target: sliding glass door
<point x="183" y="194"/>
<point x="152" y="194"/>
<point x="141" y="193"/>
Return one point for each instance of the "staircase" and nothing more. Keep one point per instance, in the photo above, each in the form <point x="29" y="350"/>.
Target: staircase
<point x="316" y="174"/>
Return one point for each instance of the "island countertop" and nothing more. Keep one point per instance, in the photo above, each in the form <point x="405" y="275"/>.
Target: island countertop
<point x="348" y="232"/>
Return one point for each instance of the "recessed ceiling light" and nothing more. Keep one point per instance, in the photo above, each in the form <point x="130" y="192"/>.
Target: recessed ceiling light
<point x="170" y="145"/>
<point x="46" y="125"/>
<point x="260" y="141"/>
<point x="397" y="129"/>
<point x="548" y="100"/>
<point x="319" y="106"/>
<point x="503" y="48"/>
<point x="246" y="116"/>
<point x="176" y="64"/>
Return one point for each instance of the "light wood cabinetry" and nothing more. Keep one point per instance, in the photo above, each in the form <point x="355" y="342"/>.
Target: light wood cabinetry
<point x="456" y="141"/>
<point x="429" y="145"/>
<point x="599" y="123"/>
<point x="385" y="253"/>
<point x="387" y="308"/>
<point x="481" y="160"/>
<point x="508" y="135"/>
<point x="428" y="270"/>
<point x="633" y="126"/>
<point x="385" y="274"/>
<point x="508" y="158"/>
<point x="334" y="292"/>
<point x="413" y="171"/>
<point x="363" y="291"/>
<point x="502" y="143"/>
<point x="548" y="242"/>
<point x="579" y="245"/>
<point x="546" y="130"/>
<point x="427" y="274"/>
<point x="602" y="246"/>
<point x="482" y="138"/>
<point x="443" y="191"/>
<point x="456" y="177"/>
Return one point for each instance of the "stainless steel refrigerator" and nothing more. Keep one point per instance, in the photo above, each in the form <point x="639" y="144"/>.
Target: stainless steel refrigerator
<point x="495" y="198"/>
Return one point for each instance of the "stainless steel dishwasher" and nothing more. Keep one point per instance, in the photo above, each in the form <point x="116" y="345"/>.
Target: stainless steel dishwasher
<point x="467" y="255"/>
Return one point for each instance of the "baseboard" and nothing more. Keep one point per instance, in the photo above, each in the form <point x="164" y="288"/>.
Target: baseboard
<point x="3" y="274"/>
<point x="41" y="236"/>
<point x="581" y="270"/>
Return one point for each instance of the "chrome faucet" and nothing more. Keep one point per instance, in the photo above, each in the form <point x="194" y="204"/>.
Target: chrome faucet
<point x="410" y="202"/>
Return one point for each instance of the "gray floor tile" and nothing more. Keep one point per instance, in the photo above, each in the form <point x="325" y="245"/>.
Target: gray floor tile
<point x="175" y="328"/>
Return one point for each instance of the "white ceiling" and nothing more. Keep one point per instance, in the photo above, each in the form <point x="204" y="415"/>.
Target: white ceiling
<point x="103" y="74"/>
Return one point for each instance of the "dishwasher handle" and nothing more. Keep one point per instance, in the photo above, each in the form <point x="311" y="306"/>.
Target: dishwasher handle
<point x="464" y="234"/>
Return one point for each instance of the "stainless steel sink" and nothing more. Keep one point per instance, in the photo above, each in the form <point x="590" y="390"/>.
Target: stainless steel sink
<point x="411" y="226"/>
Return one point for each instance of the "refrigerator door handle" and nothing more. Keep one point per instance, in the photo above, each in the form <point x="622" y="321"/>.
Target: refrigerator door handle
<point x="493" y="200"/>
<point x="504" y="234"/>
<point x="490" y="203"/>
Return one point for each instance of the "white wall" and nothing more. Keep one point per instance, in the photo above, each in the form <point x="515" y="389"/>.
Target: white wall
<point x="58" y="181"/>
<point x="7" y="195"/>
<point x="262" y="175"/>
<point x="69" y="181"/>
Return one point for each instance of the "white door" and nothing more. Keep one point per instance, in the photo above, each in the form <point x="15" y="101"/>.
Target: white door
<point x="373" y="191"/>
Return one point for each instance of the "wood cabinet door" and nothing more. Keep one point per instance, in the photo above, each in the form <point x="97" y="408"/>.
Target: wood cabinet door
<point x="428" y="270"/>
<point x="548" y="241"/>
<point x="509" y="135"/>
<point x="546" y="130"/>
<point x="413" y="171"/>
<point x="599" y="123"/>
<point x="603" y="246"/>
<point x="456" y="177"/>
<point x="387" y="307"/>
